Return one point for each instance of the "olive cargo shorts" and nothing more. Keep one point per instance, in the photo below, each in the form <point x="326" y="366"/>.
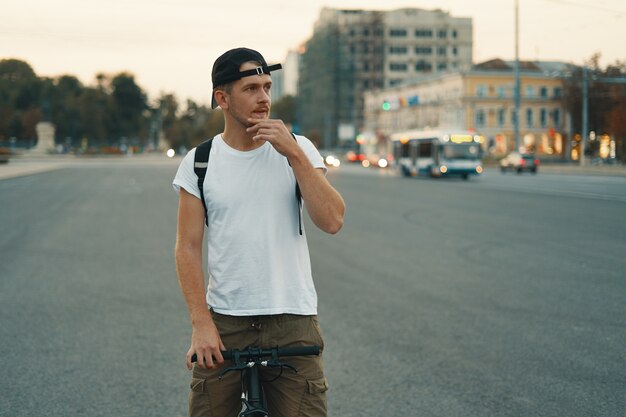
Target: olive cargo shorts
<point x="291" y="395"/>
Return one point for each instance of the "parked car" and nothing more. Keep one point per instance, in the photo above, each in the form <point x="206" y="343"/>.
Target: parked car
<point x="519" y="163"/>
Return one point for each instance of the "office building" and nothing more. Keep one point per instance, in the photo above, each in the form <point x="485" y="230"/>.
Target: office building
<point x="354" y="51"/>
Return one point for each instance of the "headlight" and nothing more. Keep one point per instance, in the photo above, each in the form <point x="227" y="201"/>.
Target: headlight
<point x="382" y="163"/>
<point x="443" y="169"/>
<point x="170" y="153"/>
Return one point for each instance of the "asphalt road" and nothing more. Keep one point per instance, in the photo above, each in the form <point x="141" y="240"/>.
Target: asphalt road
<point x="501" y="296"/>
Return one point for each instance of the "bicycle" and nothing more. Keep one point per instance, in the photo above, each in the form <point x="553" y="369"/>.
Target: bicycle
<point x="247" y="362"/>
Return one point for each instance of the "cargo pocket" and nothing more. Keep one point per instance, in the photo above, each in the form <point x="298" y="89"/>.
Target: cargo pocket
<point x="317" y="386"/>
<point x="316" y="332"/>
<point x="199" y="401"/>
<point x="314" y="399"/>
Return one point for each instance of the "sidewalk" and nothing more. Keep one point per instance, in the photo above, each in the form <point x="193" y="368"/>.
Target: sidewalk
<point x="23" y="165"/>
<point x="575" y="169"/>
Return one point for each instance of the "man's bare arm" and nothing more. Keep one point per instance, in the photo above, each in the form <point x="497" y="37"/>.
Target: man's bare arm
<point x="205" y="340"/>
<point x="324" y="204"/>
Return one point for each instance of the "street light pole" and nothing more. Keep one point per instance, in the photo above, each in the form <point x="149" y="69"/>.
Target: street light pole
<point x="516" y="92"/>
<point x="585" y="129"/>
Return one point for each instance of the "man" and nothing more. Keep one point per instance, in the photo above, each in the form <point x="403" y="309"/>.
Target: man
<point x="260" y="290"/>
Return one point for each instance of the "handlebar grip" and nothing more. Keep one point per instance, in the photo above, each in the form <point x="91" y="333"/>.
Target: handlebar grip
<point x="299" y="351"/>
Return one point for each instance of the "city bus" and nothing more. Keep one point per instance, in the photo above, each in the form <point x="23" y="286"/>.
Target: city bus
<point x="437" y="153"/>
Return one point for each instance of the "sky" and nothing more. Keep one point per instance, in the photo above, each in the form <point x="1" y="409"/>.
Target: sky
<point x="170" y="45"/>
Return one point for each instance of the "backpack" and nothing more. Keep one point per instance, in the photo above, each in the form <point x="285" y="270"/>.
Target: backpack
<point x="200" y="165"/>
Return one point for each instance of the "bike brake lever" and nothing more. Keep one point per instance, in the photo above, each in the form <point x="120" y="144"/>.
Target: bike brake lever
<point x="230" y="369"/>
<point x="278" y="364"/>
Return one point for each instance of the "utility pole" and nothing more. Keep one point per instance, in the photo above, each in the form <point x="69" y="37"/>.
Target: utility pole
<point x="585" y="129"/>
<point x="516" y="92"/>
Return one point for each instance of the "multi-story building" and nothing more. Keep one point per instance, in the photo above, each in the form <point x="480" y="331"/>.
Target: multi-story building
<point x="480" y="99"/>
<point x="285" y="82"/>
<point x="354" y="51"/>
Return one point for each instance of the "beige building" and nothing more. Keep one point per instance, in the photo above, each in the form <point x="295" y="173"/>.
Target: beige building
<point x="480" y="99"/>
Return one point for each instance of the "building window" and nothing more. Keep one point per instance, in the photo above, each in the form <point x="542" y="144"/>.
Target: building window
<point x="398" y="50"/>
<point x="423" y="66"/>
<point x="530" y="91"/>
<point x="397" y="33"/>
<point x="543" y="92"/>
<point x="398" y="66"/>
<point x="423" y="33"/>
<point x="556" y="115"/>
<point x="366" y="32"/>
<point x="529" y="117"/>
<point x="501" y="91"/>
<point x="423" y="50"/>
<point x="501" y="117"/>
<point x="441" y="50"/>
<point x="480" y="118"/>
<point x="543" y="117"/>
<point x="455" y="51"/>
<point x="558" y="92"/>
<point x="481" y="90"/>
<point x="442" y="34"/>
<point x="394" y="82"/>
<point x="442" y="66"/>
<point x="513" y="116"/>
<point x="454" y="34"/>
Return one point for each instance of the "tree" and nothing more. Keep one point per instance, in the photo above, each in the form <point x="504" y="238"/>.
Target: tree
<point x="65" y="108"/>
<point x="19" y="100"/>
<point x="128" y="104"/>
<point x="606" y="100"/>
<point x="93" y="104"/>
<point x="285" y="109"/>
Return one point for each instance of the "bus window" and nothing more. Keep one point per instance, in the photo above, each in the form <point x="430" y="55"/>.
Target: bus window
<point x="460" y="151"/>
<point x="425" y="149"/>
<point x="402" y="150"/>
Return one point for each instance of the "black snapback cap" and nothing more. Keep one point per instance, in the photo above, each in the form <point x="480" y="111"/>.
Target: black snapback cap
<point x="226" y="68"/>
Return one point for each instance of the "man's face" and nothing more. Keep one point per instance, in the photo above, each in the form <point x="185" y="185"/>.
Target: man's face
<point x="250" y="96"/>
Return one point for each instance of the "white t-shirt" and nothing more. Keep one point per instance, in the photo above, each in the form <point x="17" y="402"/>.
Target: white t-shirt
<point x="258" y="263"/>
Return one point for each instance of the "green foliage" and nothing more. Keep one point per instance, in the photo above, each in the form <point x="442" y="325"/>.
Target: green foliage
<point x="285" y="109"/>
<point x="19" y="92"/>
<point x="606" y="100"/>
<point x="114" y="112"/>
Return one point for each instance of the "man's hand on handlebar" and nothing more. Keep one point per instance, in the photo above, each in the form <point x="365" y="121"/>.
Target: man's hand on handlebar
<point x="206" y="345"/>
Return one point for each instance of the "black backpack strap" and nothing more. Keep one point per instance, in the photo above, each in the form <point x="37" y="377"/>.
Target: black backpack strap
<point x="298" y="196"/>
<point x="200" y="165"/>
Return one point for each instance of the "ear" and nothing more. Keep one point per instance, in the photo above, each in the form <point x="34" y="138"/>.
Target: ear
<point x="221" y="97"/>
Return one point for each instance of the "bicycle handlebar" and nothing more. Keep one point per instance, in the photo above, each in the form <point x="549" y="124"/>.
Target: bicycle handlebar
<point x="259" y="353"/>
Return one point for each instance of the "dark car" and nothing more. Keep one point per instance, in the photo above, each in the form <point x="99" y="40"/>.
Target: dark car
<point x="519" y="163"/>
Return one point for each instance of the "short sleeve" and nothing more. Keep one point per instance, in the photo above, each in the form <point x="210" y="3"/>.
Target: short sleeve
<point x="186" y="177"/>
<point x="311" y="152"/>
